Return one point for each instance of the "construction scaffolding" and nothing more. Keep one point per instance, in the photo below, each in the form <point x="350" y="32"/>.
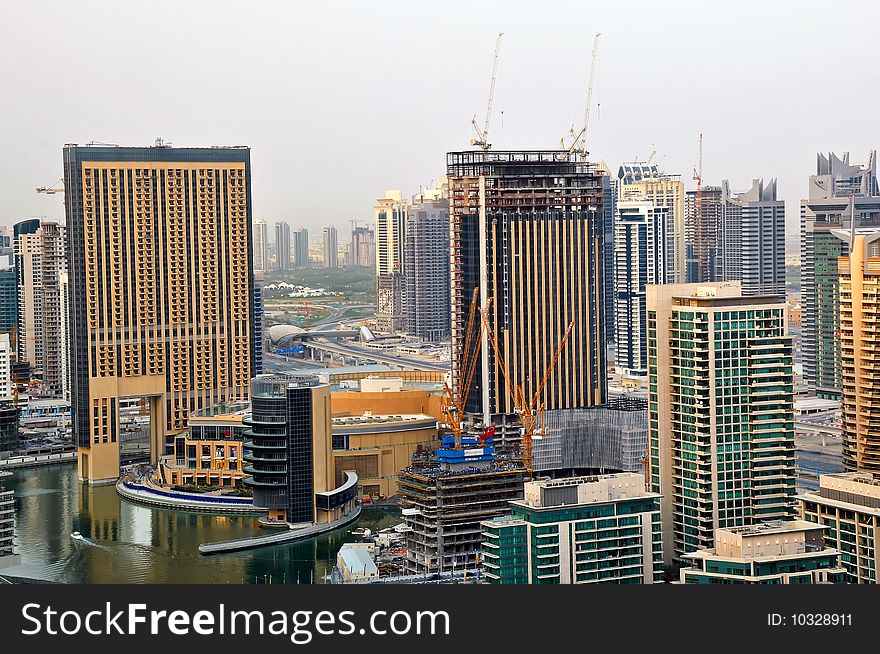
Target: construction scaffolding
<point x="443" y="508"/>
<point x="610" y="437"/>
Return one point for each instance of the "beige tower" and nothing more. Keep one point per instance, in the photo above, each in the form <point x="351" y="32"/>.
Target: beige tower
<point x="860" y="349"/>
<point x="161" y="289"/>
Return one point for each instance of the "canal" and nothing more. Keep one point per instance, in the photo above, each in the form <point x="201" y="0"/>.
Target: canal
<point x="129" y="543"/>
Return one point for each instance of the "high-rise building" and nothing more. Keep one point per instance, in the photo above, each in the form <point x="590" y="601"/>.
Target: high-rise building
<point x="578" y="530"/>
<point x="859" y="312"/>
<point x="390" y="214"/>
<point x="527" y="229"/>
<point x="8" y="558"/>
<point x="848" y="506"/>
<point x="259" y="318"/>
<point x="362" y="249"/>
<point x="609" y="204"/>
<point x="7" y="388"/>
<point x="720" y="410"/>
<point x="39" y="261"/>
<point x="301" y="248"/>
<point x="752" y="239"/>
<point x="161" y="289"/>
<point x="330" y="247"/>
<point x="425" y="293"/>
<point x="282" y="246"/>
<point x="646" y="181"/>
<point x="826" y="208"/>
<point x="777" y="552"/>
<point x="9" y="434"/>
<point x="702" y="231"/>
<point x="644" y="248"/>
<point x="289" y="448"/>
<point x="64" y="332"/>
<point x="261" y="246"/>
<point x="8" y="297"/>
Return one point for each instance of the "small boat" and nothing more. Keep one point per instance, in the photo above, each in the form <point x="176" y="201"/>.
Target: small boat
<point x="361" y="531"/>
<point x="76" y="535"/>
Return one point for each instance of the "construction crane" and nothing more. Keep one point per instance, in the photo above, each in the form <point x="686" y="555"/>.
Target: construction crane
<point x="454" y="403"/>
<point x="531" y="414"/>
<point x="579" y="139"/>
<point x="698" y="214"/>
<point x="482" y="140"/>
<point x="50" y="190"/>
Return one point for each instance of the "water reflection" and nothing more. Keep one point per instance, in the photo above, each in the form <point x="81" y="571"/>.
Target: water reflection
<point x="128" y="543"/>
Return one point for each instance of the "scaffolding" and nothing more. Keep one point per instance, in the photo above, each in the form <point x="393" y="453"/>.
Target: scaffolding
<point x="444" y="508"/>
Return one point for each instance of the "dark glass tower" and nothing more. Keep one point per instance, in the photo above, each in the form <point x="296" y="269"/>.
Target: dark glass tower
<point x="287" y="418"/>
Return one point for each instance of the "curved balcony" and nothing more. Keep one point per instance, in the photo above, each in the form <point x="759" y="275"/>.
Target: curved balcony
<point x="250" y="481"/>
<point x="264" y="445"/>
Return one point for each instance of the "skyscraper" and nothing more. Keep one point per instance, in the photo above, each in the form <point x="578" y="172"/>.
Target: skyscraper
<point x="390" y="214"/>
<point x="259" y="318"/>
<point x="301" y="248"/>
<point x="8" y="297"/>
<point x="331" y="249"/>
<point x="64" y="332"/>
<point x="859" y="343"/>
<point x="39" y="261"/>
<point x="720" y="410"/>
<point x="282" y="246"/>
<point x="702" y="229"/>
<point x="261" y="246"/>
<point x="644" y="248"/>
<point x="527" y="229"/>
<point x="752" y="239"/>
<point x="426" y="267"/>
<point x="6" y="356"/>
<point x="161" y="289"/>
<point x="609" y="203"/>
<point x="363" y="247"/>
<point x="646" y="181"/>
<point x="827" y="208"/>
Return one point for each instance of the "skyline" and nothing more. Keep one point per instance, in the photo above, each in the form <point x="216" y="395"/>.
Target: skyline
<point x="394" y="117"/>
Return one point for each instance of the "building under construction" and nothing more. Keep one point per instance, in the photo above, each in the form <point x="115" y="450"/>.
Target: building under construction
<point x="527" y="229"/>
<point x="445" y="497"/>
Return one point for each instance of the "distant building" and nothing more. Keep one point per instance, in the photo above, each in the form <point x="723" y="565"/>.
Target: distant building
<point x="283" y="257"/>
<point x="643" y="244"/>
<point x="301" y="248"/>
<point x="8" y="297"/>
<point x="827" y="208"/>
<point x="579" y="530"/>
<point x="703" y="211"/>
<point x="8" y="558"/>
<point x="330" y="248"/>
<point x="259" y="322"/>
<point x="362" y="249"/>
<point x="721" y="410"/>
<point x="778" y="552"/>
<point x="261" y="246"/>
<point x="848" y="506"/>
<point x="7" y="355"/>
<point x="391" y="212"/>
<point x="752" y="239"/>
<point x="426" y="291"/>
<point x="40" y="259"/>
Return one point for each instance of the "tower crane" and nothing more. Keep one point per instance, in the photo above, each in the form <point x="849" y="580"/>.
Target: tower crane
<point x="698" y="214"/>
<point x="531" y="414"/>
<point x="482" y="140"/>
<point x="579" y="139"/>
<point x="454" y="403"/>
<point x="49" y="190"/>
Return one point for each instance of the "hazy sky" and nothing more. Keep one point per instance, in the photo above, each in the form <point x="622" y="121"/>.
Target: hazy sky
<point x="340" y="101"/>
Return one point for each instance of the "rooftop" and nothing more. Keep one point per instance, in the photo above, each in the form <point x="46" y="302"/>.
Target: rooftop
<point x="358" y="560"/>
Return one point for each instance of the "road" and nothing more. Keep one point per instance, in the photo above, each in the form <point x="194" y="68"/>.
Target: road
<point x="369" y="354"/>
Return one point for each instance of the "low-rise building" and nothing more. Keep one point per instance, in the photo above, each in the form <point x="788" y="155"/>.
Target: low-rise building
<point x="356" y="564"/>
<point x="848" y="506"/>
<point x="210" y="452"/>
<point x="775" y="552"/>
<point x="378" y="447"/>
<point x="579" y="530"/>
